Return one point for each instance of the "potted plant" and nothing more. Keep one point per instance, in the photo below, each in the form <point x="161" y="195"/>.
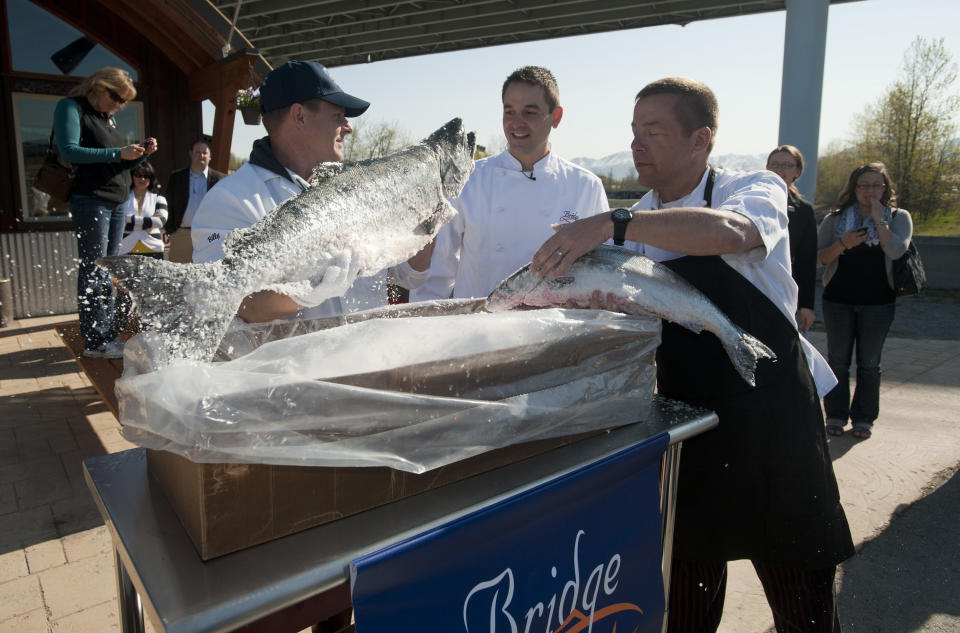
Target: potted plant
<point x="248" y="102"/>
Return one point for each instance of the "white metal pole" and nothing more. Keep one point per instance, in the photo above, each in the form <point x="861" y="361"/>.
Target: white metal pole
<point x="801" y="93"/>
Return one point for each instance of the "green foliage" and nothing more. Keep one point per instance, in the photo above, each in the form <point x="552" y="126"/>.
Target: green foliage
<point x="248" y="98"/>
<point x="373" y="140"/>
<point x="941" y="223"/>
<point x="236" y="162"/>
<point x="610" y="183"/>
<point x="912" y="129"/>
<point x="833" y="168"/>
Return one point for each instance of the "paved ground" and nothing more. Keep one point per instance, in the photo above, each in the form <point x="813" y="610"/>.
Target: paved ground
<point x="899" y="488"/>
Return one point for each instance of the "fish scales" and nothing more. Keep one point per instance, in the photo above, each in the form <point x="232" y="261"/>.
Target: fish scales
<point x="641" y="286"/>
<point x="360" y="217"/>
<point x="353" y="212"/>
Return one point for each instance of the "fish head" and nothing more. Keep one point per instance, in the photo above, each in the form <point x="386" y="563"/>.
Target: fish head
<point x="512" y="291"/>
<point x="454" y="148"/>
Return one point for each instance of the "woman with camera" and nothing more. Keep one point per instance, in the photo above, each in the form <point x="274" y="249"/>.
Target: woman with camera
<point x="857" y="243"/>
<point x="87" y="137"/>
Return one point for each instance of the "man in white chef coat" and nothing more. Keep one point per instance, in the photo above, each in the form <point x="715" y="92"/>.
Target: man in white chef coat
<point x="508" y="206"/>
<point x="306" y="115"/>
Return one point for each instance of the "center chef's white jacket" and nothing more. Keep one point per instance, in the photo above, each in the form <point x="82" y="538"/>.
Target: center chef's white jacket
<point x="503" y="218"/>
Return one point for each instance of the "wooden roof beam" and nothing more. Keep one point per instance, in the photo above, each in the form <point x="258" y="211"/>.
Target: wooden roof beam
<point x="220" y="82"/>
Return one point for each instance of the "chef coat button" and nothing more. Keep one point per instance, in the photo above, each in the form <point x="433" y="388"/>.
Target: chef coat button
<point x="503" y="173"/>
<point x="499" y="209"/>
<point x="499" y="248"/>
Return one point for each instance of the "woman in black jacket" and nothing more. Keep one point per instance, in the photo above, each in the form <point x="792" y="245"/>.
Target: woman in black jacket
<point x="858" y="243"/>
<point x="787" y="162"/>
<point x="87" y="137"/>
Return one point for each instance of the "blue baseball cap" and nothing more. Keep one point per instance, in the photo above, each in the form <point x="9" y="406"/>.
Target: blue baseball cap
<point x="296" y="82"/>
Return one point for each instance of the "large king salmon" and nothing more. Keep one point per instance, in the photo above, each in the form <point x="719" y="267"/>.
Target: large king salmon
<point x="363" y="216"/>
<point x="641" y="286"/>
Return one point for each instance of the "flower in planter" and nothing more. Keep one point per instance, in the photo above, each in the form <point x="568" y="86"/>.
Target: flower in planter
<point x="248" y="98"/>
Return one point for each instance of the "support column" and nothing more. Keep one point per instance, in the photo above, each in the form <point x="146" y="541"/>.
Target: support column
<point x="804" y="48"/>
<point x="222" y="139"/>
<point x="219" y="82"/>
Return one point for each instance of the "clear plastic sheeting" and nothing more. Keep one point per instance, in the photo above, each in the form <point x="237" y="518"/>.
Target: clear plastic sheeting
<point x="439" y="383"/>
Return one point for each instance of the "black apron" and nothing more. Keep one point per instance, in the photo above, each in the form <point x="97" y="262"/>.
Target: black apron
<point x="761" y="485"/>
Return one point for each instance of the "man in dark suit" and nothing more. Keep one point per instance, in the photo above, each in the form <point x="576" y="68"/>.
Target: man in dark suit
<point x="185" y="190"/>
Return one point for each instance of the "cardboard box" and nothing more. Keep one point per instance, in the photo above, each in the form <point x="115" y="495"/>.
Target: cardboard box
<point x="227" y="507"/>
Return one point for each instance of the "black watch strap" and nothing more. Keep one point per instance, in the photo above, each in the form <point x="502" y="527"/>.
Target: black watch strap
<point x="621" y="218"/>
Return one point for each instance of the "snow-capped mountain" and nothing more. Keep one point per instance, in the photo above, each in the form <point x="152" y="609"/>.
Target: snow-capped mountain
<point x="620" y="165"/>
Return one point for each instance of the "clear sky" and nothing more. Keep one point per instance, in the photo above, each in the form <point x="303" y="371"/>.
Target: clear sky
<point x="740" y="58"/>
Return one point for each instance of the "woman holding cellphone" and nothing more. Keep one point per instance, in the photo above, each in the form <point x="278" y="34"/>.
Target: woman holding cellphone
<point x="857" y="244"/>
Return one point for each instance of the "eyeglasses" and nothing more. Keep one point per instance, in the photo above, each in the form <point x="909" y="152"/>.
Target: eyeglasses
<point x="116" y="98"/>
<point x="880" y="186"/>
<point x="145" y="176"/>
<point x="781" y="165"/>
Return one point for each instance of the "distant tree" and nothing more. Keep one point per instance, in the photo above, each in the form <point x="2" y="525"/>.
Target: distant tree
<point x="373" y="140"/>
<point x="235" y="162"/>
<point x="912" y="129"/>
<point x="480" y="151"/>
<point x="834" y="166"/>
<point x="607" y="181"/>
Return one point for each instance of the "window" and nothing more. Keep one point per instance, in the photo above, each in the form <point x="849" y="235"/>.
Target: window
<point x="33" y="121"/>
<point x="35" y="36"/>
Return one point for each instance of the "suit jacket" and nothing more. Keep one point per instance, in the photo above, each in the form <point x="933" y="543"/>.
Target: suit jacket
<point x="178" y="194"/>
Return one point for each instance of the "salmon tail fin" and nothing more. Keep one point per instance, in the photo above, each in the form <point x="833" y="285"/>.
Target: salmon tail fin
<point x="188" y="306"/>
<point x="745" y="351"/>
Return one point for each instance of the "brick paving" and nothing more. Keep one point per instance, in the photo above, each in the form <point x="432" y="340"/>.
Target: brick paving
<point x="56" y="562"/>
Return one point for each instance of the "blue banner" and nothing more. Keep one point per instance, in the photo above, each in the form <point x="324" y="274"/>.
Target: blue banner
<point x="579" y="553"/>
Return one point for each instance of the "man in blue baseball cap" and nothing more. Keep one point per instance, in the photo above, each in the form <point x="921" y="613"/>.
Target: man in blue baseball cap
<point x="301" y="82"/>
<point x="305" y="113"/>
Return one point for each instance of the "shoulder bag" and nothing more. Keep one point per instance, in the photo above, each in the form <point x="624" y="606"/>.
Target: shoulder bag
<point x="54" y="177"/>
<point x="909" y="276"/>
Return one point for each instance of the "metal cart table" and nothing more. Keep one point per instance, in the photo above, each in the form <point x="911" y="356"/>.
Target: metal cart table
<point x="291" y="582"/>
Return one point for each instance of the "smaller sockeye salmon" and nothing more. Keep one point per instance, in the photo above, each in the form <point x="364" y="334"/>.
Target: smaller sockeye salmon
<point x="643" y="287"/>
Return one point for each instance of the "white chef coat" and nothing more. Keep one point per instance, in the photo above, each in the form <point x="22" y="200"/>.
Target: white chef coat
<point x="503" y="218"/>
<point x="761" y="196"/>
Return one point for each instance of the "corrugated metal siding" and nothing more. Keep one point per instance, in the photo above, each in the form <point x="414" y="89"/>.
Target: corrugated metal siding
<point x="42" y="268"/>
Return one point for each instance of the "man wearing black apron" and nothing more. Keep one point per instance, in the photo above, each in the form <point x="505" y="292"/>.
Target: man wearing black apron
<point x="760" y="486"/>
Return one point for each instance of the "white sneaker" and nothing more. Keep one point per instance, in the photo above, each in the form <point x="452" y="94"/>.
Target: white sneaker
<point x="111" y="349"/>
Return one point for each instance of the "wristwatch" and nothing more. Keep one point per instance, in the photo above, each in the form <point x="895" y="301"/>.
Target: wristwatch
<point x="621" y="218"/>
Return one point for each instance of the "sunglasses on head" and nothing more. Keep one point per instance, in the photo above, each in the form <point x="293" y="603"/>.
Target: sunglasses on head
<point x="116" y="98"/>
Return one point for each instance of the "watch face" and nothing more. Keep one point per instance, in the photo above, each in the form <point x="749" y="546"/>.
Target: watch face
<point x="621" y="215"/>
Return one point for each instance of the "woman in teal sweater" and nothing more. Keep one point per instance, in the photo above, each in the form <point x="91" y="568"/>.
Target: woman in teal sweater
<point x="87" y="137"/>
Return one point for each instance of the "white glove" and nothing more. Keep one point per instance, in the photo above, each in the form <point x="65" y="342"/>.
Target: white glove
<point x="334" y="281"/>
